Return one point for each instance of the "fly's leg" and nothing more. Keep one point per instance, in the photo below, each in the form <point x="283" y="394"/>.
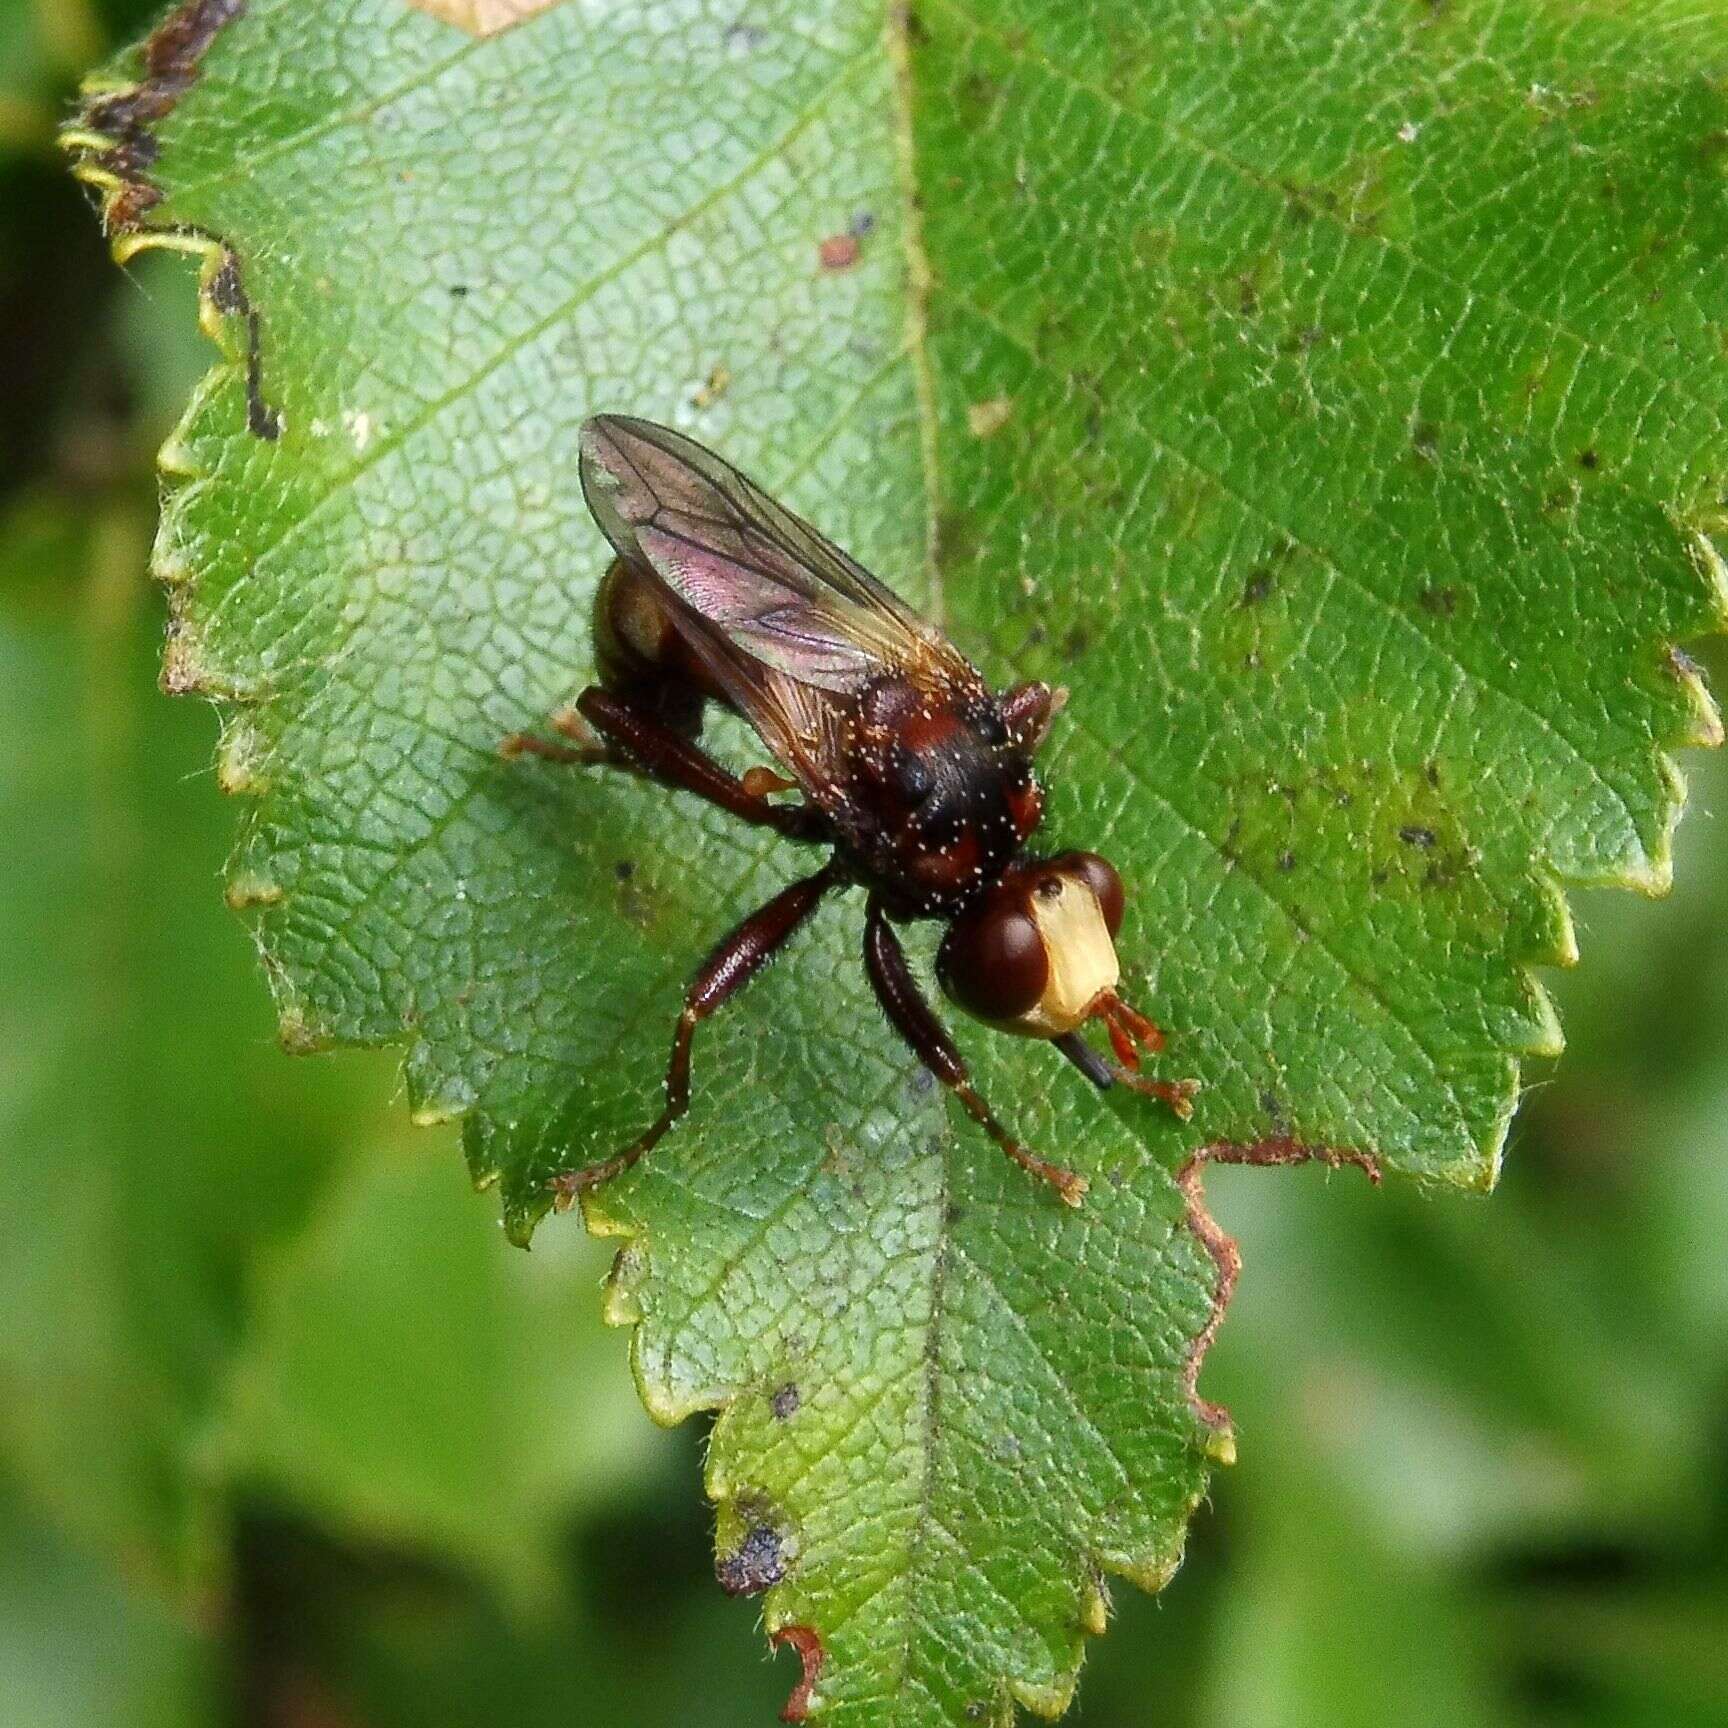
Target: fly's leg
<point x="911" y="1016"/>
<point x="608" y="731"/>
<point x="1177" y="1094"/>
<point x="670" y="758"/>
<point x="1028" y="710"/>
<point x="582" y="755"/>
<point x="760" y="782"/>
<point x="1130" y="1030"/>
<point x="586" y="748"/>
<point x="1130" y="1033"/>
<point x="725" y="972"/>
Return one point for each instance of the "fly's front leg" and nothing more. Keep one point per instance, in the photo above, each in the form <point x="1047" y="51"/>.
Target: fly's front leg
<point x="1130" y="1033"/>
<point x="725" y="972"/>
<point x="911" y="1016"/>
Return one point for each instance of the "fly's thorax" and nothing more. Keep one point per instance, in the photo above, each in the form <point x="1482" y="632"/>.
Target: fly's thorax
<point x="1036" y="953"/>
<point x="943" y="794"/>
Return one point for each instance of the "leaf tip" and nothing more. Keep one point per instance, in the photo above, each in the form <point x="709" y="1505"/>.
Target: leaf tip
<point x="1095" y="1608"/>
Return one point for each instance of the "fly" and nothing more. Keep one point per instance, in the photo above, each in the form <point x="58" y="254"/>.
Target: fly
<point x="913" y="774"/>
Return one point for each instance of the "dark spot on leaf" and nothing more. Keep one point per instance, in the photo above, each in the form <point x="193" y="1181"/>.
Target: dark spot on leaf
<point x="979" y="89"/>
<point x="172" y="55"/>
<point x="785" y="1402"/>
<point x="226" y="294"/>
<point x="1286" y="862"/>
<point x="1412" y="835"/>
<point x="624" y="869"/>
<point x="1257" y="587"/>
<point x="744" y="38"/>
<point x="956" y="537"/>
<point x="862" y="225"/>
<point x="1425" y="438"/>
<point x="1431" y="772"/>
<point x="459" y="290"/>
<point x="1587" y="458"/>
<point x="1076" y="642"/>
<point x="758" y="1563"/>
<point x="1441" y="602"/>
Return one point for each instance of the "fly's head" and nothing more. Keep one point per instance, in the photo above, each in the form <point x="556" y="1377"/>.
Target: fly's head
<point x="1036" y="953"/>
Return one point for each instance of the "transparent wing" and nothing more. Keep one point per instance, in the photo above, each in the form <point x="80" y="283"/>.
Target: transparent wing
<point x="762" y="577"/>
<point x="787" y="623"/>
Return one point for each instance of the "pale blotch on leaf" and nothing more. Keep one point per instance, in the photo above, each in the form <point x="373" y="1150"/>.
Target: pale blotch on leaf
<point x="984" y="418"/>
<point x="483" y="17"/>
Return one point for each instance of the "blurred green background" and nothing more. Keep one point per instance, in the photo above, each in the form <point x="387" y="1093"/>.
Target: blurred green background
<point x="290" y="1437"/>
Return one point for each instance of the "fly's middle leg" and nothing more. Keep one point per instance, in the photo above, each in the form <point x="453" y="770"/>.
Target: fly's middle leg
<point x="738" y="958"/>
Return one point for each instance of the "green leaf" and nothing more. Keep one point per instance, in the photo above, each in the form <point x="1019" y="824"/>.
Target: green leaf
<point x="1318" y="390"/>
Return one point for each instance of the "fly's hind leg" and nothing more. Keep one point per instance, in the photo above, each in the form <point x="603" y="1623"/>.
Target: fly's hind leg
<point x="911" y="1016"/>
<point x="608" y="730"/>
<point x="738" y="958"/>
<point x="585" y="749"/>
<point x="583" y="752"/>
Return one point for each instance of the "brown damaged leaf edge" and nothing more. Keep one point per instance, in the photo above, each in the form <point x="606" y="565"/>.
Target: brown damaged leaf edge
<point x="114" y="136"/>
<point x="808" y="1643"/>
<point x="1227" y="1257"/>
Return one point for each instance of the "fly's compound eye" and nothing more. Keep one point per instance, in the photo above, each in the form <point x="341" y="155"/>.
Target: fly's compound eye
<point x="992" y="962"/>
<point x="1099" y="874"/>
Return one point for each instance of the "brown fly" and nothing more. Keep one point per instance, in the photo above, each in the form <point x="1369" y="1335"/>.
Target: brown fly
<point x="913" y="773"/>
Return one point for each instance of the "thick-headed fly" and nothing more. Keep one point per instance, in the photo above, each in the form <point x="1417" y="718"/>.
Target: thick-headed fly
<point x="913" y="773"/>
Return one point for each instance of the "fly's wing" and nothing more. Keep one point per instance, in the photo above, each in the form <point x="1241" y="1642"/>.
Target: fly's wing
<point x="788" y="624"/>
